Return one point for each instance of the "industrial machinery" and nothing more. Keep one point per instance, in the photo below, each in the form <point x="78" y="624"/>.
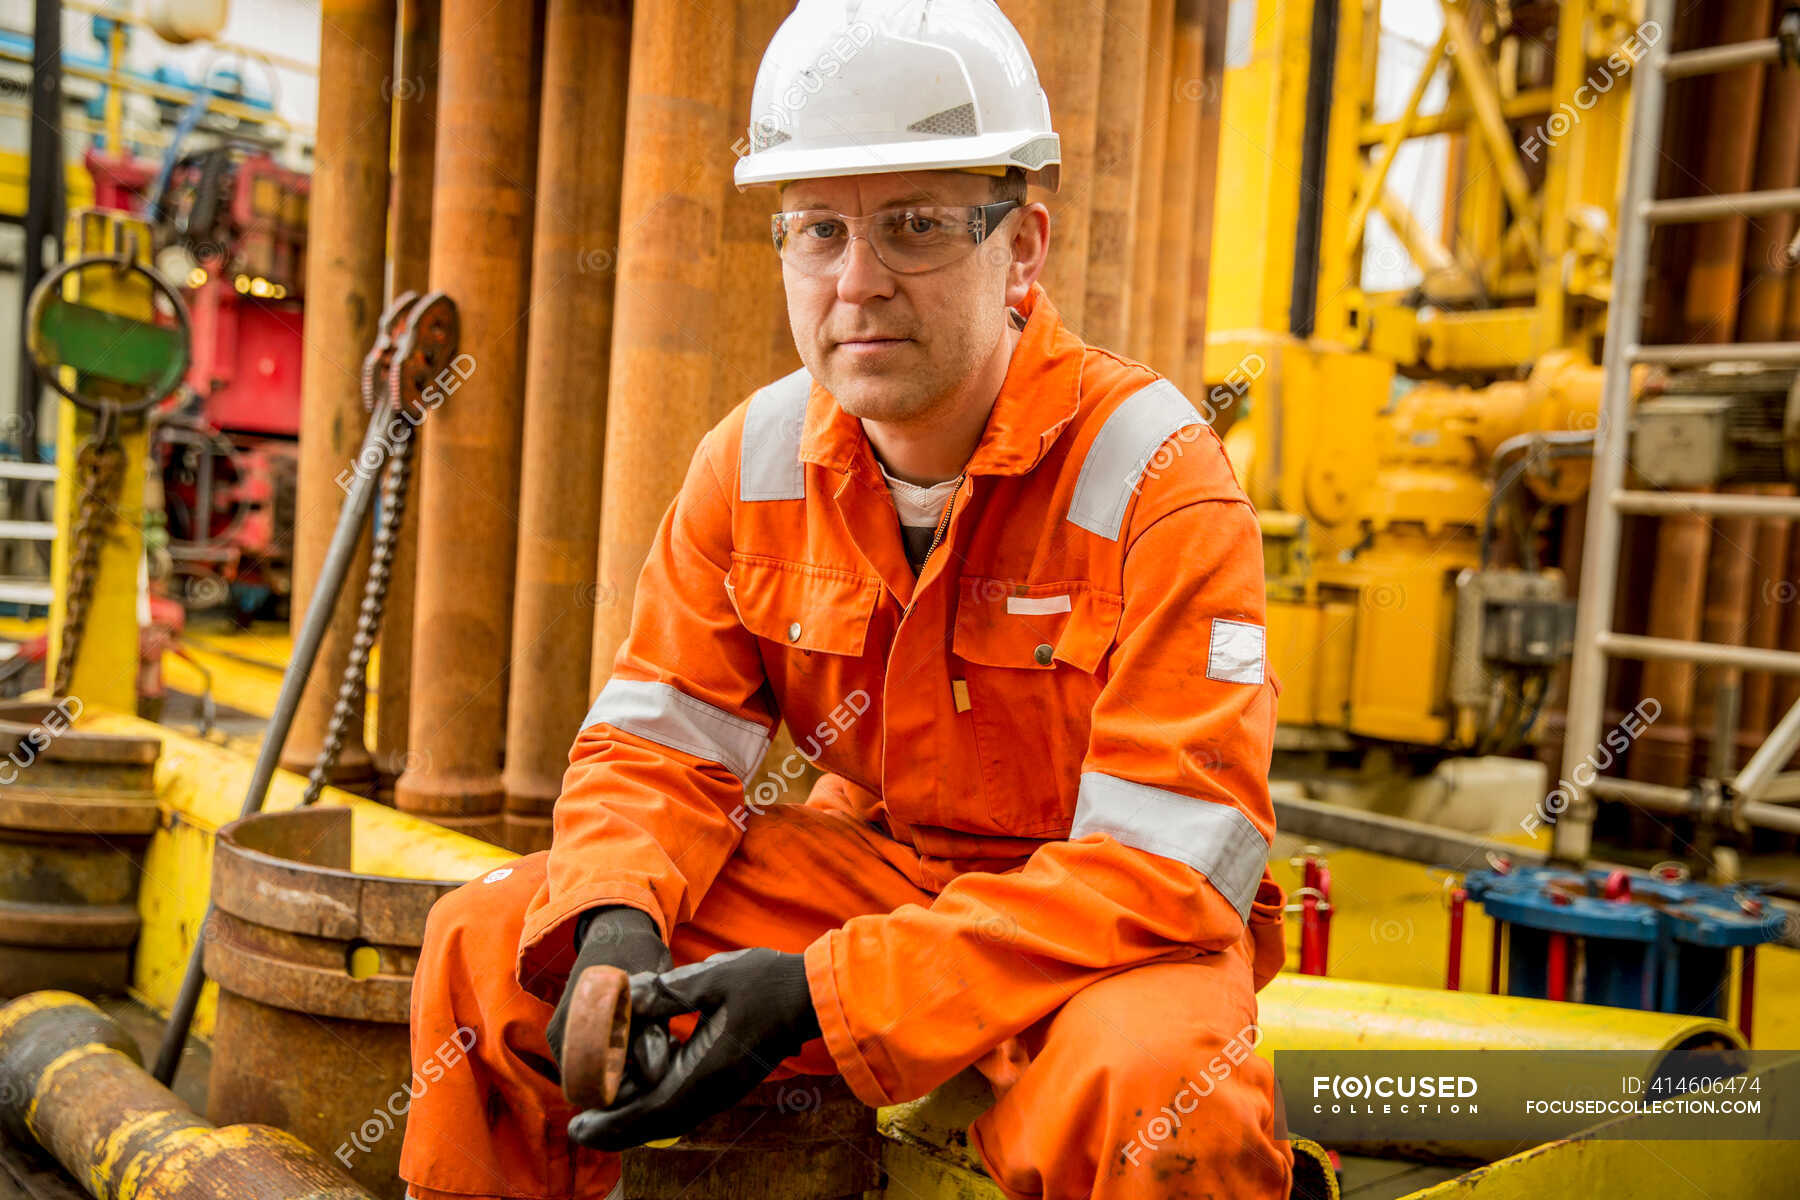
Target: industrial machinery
<point x="1658" y="942"/>
<point x="1413" y="451"/>
<point x="231" y="228"/>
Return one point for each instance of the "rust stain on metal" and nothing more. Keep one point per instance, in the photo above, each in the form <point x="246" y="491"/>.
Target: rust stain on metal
<point x="76" y="813"/>
<point x="314" y="963"/>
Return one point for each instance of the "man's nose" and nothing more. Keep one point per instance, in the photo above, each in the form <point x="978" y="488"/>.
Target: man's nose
<point x="861" y="274"/>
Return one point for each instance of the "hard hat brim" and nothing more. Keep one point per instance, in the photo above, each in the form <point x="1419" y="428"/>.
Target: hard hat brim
<point x="778" y="165"/>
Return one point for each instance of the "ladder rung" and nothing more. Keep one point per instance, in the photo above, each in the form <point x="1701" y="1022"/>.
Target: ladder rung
<point x="10" y="469"/>
<point x="1778" y="353"/>
<point x="1712" y="504"/>
<point x="1709" y="654"/>
<point x="27" y="531"/>
<point x="1709" y="60"/>
<point x="1732" y="204"/>
<point x="26" y="591"/>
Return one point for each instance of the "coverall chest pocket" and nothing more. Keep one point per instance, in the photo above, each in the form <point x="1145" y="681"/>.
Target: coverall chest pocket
<point x="814" y="625"/>
<point x="1028" y="667"/>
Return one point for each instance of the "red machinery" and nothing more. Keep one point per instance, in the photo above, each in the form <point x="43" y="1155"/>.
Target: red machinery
<point x="233" y="227"/>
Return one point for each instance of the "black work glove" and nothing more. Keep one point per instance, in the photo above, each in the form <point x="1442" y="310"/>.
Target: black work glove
<point x="756" y="1010"/>
<point x="614" y="936"/>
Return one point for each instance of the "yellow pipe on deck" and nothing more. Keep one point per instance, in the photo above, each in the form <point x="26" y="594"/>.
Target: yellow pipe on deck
<point x="1304" y="1012"/>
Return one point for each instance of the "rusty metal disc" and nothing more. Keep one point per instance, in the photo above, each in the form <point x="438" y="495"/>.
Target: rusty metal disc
<point x="595" y="1040"/>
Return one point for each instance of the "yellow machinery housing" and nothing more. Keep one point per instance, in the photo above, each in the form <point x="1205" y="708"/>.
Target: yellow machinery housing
<point x="1369" y="428"/>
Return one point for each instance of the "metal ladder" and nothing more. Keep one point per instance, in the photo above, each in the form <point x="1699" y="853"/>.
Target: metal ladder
<point x="27" y="590"/>
<point x="1751" y="794"/>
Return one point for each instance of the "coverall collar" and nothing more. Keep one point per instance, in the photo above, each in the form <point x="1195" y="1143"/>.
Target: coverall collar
<point x="1037" y="400"/>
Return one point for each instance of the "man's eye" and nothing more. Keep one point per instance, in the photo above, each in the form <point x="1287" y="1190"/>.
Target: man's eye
<point x="821" y="229"/>
<point x="918" y="225"/>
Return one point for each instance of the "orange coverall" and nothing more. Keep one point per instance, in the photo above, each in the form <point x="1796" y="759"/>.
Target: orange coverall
<point x="1040" y="845"/>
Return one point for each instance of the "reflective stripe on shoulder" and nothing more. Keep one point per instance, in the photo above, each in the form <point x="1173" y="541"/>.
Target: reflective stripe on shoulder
<point x="769" y="466"/>
<point x="670" y="717"/>
<point x="1210" y="837"/>
<point x="1119" y="453"/>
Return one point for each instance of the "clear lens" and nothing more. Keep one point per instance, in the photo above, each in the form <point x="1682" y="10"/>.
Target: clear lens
<point x="907" y="240"/>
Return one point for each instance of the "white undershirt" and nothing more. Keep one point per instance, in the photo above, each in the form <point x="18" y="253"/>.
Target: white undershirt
<point x="920" y="510"/>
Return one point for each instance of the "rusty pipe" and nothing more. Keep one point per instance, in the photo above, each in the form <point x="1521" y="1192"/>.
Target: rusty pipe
<point x="409" y="270"/>
<point x="1766" y="274"/>
<point x="1061" y="38"/>
<point x="587" y="49"/>
<point x="752" y="326"/>
<point x="71" y="1081"/>
<point x="76" y="814"/>
<point x="1211" y="89"/>
<point x="347" y="216"/>
<point x="668" y="266"/>
<point x="1118" y="152"/>
<point x="1181" y="183"/>
<point x="481" y="219"/>
<point x="1147" y="188"/>
<point x="1728" y="157"/>
<point x="314" y="963"/>
<point x="1710" y="314"/>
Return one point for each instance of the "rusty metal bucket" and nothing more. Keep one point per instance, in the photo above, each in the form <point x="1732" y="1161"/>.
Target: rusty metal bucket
<point x="314" y="964"/>
<point x="76" y="813"/>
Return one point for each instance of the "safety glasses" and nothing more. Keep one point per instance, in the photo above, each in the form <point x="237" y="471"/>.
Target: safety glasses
<point x="907" y="240"/>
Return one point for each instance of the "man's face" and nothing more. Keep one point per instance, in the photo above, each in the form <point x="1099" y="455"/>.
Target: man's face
<point x="892" y="346"/>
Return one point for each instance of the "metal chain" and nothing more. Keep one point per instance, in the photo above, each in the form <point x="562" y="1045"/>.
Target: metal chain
<point x="101" y="464"/>
<point x="394" y="486"/>
<point x="416" y="335"/>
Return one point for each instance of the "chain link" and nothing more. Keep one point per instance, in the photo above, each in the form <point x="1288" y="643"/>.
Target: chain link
<point x="394" y="486"/>
<point x="101" y="466"/>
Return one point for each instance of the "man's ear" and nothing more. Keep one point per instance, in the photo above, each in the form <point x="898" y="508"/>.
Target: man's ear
<point x="1030" y="246"/>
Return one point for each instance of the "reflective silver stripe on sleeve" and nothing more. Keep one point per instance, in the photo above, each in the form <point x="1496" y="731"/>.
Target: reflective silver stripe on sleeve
<point x="1121" y="450"/>
<point x="1210" y="837"/>
<point x="769" y="466"/>
<point x="670" y="717"/>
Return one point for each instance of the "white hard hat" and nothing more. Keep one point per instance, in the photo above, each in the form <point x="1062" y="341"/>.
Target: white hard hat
<point x="867" y="87"/>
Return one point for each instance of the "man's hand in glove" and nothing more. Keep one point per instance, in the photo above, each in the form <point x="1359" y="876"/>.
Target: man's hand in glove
<point x="624" y="937"/>
<point x="756" y="1010"/>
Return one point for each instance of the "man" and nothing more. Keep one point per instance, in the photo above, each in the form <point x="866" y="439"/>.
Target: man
<point x="1007" y="592"/>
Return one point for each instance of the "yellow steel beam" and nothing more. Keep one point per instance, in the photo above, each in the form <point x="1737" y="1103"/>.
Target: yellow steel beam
<point x="1456" y="115"/>
<point x="1374" y="182"/>
<point x="14" y="168"/>
<point x="107" y="661"/>
<point x="1446" y="279"/>
<point x="1484" y="95"/>
<point x="175" y="95"/>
